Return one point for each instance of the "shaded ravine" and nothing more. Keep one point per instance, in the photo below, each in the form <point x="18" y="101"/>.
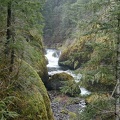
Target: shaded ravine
<point x="63" y="106"/>
<point x="53" y="67"/>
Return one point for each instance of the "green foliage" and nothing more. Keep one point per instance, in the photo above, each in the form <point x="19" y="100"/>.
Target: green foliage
<point x="71" y="88"/>
<point x="94" y="48"/>
<point x="25" y="46"/>
<point x="28" y="97"/>
<point x="5" y="112"/>
<point x="60" y="20"/>
<point x="65" y="83"/>
<point x="77" y="53"/>
<point x="99" y="71"/>
<point x="100" y="107"/>
<point x="26" y="29"/>
<point x="90" y="32"/>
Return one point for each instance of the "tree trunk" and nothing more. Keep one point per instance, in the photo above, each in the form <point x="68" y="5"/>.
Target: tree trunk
<point x="118" y="73"/>
<point x="8" y="33"/>
<point x="12" y="56"/>
<point x="9" y="37"/>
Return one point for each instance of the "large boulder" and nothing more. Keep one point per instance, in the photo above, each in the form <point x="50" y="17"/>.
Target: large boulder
<point x="74" y="55"/>
<point x="33" y="54"/>
<point x="65" y="83"/>
<point x="32" y="101"/>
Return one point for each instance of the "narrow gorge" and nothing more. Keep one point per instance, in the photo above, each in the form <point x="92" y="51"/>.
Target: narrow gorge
<point x="84" y="32"/>
<point x="59" y="60"/>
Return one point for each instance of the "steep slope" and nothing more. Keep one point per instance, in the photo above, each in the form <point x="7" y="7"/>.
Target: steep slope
<point x="23" y="95"/>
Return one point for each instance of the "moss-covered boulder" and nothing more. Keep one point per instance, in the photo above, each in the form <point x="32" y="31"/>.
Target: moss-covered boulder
<point x="76" y="54"/>
<point x="32" y="101"/>
<point x="32" y="52"/>
<point x="65" y="83"/>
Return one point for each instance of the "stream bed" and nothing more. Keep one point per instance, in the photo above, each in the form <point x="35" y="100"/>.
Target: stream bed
<point x="63" y="106"/>
<point x="53" y="67"/>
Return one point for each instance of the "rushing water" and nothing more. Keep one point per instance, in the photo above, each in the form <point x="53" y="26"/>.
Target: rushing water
<point x="53" y="67"/>
<point x="53" y="57"/>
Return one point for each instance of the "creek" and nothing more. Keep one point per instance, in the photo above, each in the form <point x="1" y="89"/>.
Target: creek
<point x="53" y="67"/>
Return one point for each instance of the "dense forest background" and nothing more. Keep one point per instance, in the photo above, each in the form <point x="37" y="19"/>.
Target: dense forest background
<point x="23" y="95"/>
<point x="87" y="33"/>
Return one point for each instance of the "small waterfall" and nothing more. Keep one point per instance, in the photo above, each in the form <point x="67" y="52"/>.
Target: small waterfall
<point x="53" y="57"/>
<point x="53" y="67"/>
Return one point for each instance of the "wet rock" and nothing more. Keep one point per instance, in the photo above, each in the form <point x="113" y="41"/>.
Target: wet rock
<point x="55" y="54"/>
<point x="65" y="83"/>
<point x="65" y="107"/>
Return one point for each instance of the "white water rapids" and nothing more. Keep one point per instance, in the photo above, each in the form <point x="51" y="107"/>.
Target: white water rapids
<point x="53" y="67"/>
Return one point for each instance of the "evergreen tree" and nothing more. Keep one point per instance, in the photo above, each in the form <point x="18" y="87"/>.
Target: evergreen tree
<point x="101" y="68"/>
<point x="93" y="25"/>
<point x="20" y="30"/>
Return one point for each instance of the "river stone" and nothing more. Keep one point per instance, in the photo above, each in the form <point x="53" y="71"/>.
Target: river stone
<point x="54" y="54"/>
<point x="64" y="82"/>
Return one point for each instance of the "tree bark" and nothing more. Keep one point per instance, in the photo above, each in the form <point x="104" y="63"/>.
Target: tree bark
<point x="12" y="57"/>
<point x="9" y="36"/>
<point x="118" y="73"/>
<point x="8" y="33"/>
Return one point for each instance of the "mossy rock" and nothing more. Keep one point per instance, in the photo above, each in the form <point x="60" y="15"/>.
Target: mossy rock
<point x="33" y="55"/>
<point x="65" y="83"/>
<point x="76" y="54"/>
<point x="33" y="102"/>
<point x="72" y="116"/>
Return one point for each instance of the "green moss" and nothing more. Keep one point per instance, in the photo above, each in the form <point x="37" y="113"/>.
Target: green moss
<point x="72" y="116"/>
<point x="62" y="77"/>
<point x="31" y="106"/>
<point x="33" y="103"/>
<point x="94" y="97"/>
<point x="64" y="111"/>
<point x="34" y="56"/>
<point x="65" y="83"/>
<point x="98" y="86"/>
<point x="76" y="54"/>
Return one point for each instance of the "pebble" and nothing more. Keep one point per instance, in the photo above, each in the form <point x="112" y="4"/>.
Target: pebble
<point x="61" y="108"/>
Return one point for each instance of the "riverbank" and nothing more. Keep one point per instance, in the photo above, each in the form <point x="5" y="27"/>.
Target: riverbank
<point x="65" y="107"/>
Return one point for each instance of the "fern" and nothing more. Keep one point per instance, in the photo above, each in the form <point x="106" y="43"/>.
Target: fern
<point x="5" y="112"/>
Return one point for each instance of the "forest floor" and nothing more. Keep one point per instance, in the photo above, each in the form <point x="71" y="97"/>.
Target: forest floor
<point x="65" y="107"/>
